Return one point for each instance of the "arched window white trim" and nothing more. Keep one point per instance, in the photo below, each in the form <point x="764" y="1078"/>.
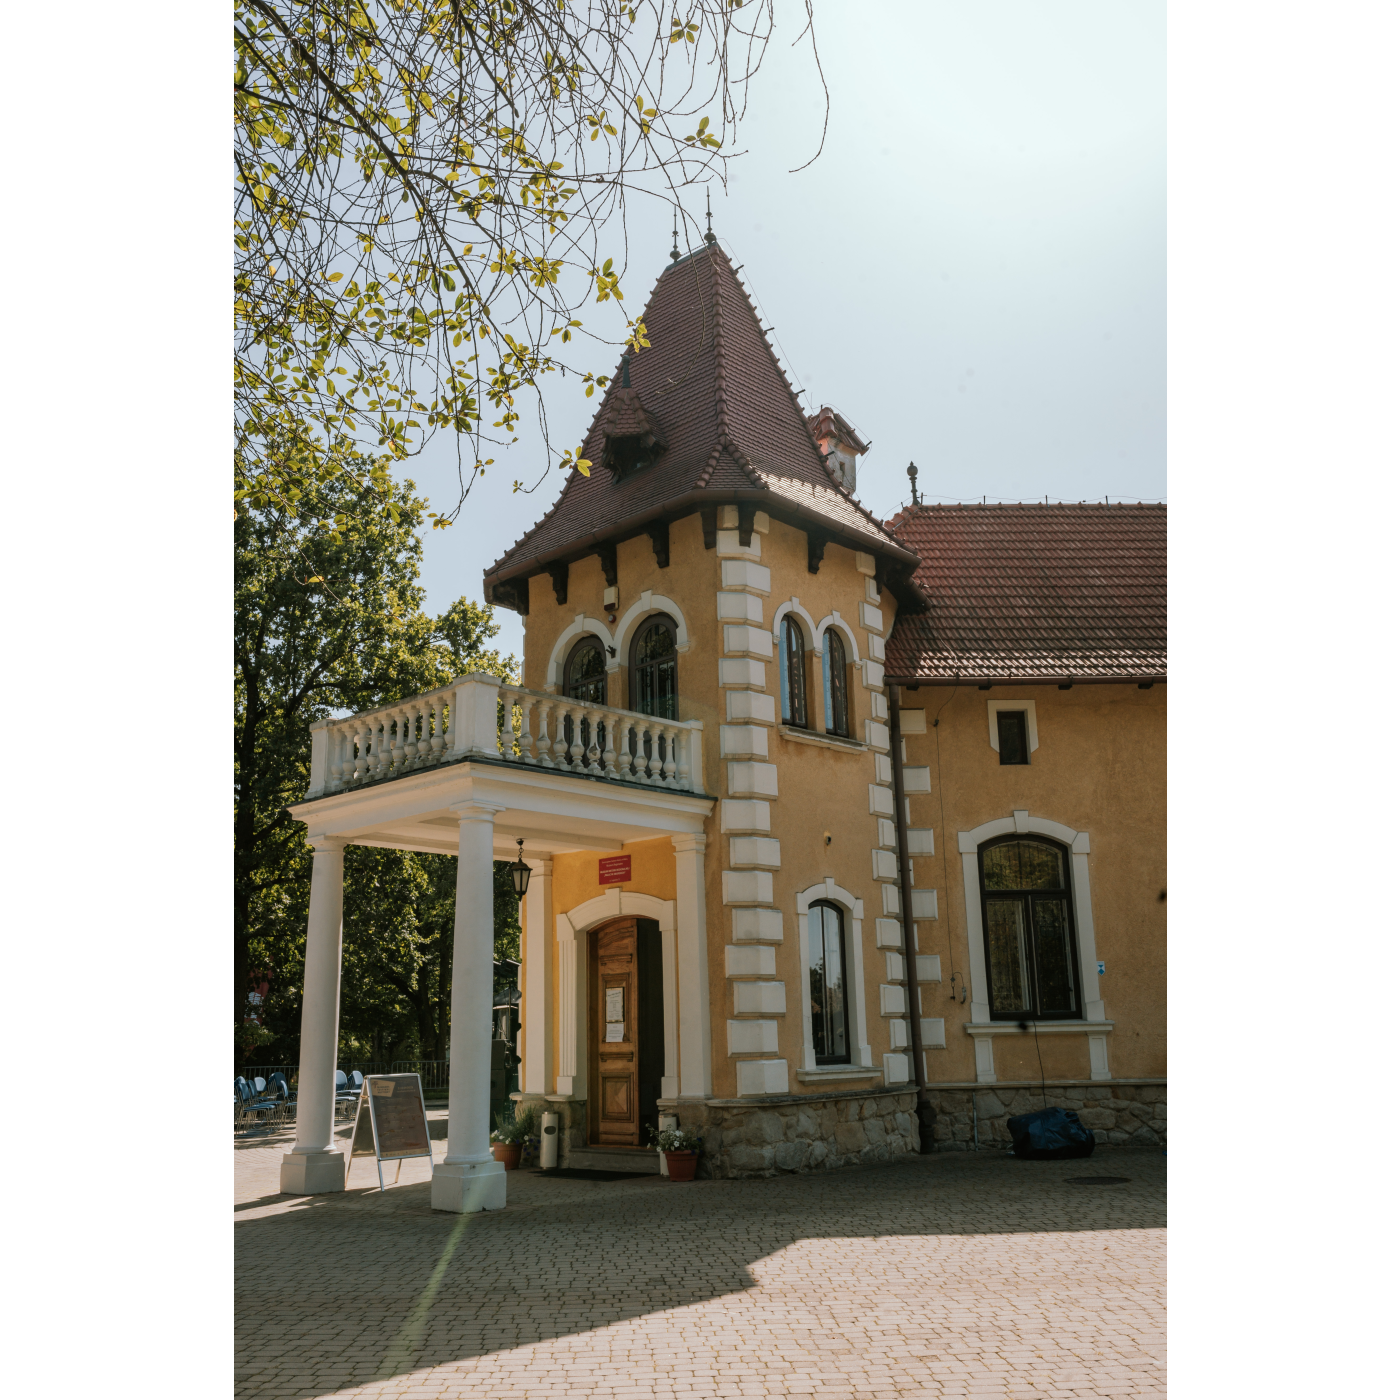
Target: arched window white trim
<point x="804" y="621"/>
<point x="571" y="931"/>
<point x="642" y="609"/>
<point x="854" y="910"/>
<point x="1078" y="842"/>
<point x="554" y="672"/>
<point x="834" y="619"/>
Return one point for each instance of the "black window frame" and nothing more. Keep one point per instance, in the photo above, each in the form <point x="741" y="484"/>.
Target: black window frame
<point x="792" y="673"/>
<point x="1024" y="722"/>
<point x="633" y="689"/>
<point x="836" y="693"/>
<point x="587" y="642"/>
<point x="847" y="1056"/>
<point x="1027" y="897"/>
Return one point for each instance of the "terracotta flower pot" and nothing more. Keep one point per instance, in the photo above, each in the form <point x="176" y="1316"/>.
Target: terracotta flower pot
<point x="507" y="1153"/>
<point x="681" y="1165"/>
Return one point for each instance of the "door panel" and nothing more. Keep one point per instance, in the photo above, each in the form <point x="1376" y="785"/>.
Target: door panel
<point x="613" y="1035"/>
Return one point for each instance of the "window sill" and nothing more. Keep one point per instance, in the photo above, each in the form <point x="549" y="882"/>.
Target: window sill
<point x="1041" y="1027"/>
<point x="837" y="1073"/>
<point x="825" y="741"/>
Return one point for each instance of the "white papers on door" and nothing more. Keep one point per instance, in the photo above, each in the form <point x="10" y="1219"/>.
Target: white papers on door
<point x="614" y="1032"/>
<point x="613" y="1004"/>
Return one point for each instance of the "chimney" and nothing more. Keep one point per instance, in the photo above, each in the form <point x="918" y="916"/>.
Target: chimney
<point x="839" y="443"/>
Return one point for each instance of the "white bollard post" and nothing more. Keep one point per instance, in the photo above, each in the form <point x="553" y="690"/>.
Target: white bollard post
<point x="469" y="1178"/>
<point x="311" y="1166"/>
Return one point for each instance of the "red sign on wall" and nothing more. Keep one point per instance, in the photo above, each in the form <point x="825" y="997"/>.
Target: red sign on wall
<point x="614" y="870"/>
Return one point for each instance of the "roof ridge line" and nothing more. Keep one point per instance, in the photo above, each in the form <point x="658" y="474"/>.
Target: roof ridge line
<point x="721" y="377"/>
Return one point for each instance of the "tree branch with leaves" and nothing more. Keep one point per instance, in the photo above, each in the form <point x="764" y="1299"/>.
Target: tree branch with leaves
<point x="422" y="190"/>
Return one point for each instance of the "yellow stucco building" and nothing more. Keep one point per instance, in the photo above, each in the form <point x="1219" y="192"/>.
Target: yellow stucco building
<point x="716" y="568"/>
<point x="847" y="837"/>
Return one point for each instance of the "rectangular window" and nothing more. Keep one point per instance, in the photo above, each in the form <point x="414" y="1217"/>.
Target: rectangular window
<point x="1011" y="736"/>
<point x="826" y="954"/>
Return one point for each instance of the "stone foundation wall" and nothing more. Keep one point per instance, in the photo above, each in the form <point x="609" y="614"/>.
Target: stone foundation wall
<point x="791" y="1134"/>
<point x="809" y="1134"/>
<point x="1133" y="1114"/>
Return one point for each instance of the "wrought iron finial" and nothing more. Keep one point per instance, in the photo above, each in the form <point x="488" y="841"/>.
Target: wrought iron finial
<point x="625" y="382"/>
<point x="675" y="237"/>
<point x="709" y="232"/>
<point x="914" y="482"/>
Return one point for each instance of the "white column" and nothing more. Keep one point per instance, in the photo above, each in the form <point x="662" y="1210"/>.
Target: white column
<point x="573" y="1023"/>
<point x="311" y="1166"/>
<point x="469" y="1178"/>
<point x="693" y="967"/>
<point x="538" y="1029"/>
<point x="670" y="1081"/>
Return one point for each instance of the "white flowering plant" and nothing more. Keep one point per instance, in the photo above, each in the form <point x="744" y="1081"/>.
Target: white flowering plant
<point x="675" y="1140"/>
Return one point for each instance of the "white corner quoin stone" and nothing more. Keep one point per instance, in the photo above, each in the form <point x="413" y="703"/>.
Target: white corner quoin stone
<point x="763" y="1077"/>
<point x="756" y="780"/>
<point x="743" y="573"/>
<point x="747" y="886"/>
<point x="750" y="960"/>
<point x="758" y="926"/>
<point x="751" y="705"/>
<point x="741" y="815"/>
<point x="753" y="1037"/>
<point x="760" y="998"/>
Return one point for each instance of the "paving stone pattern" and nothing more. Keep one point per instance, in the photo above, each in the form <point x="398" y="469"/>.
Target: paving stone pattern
<point x="961" y="1274"/>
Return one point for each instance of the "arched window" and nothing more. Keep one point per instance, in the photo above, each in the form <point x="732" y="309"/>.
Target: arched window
<point x="586" y="673"/>
<point x="1028" y="918"/>
<point x="834" y="684"/>
<point x="792" y="674"/>
<point x="654" y="668"/>
<point x="826" y="973"/>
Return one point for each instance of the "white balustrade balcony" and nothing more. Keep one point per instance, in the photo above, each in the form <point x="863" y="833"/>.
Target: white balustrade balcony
<point x="478" y="716"/>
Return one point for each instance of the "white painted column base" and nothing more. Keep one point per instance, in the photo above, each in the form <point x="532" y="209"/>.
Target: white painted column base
<point x="312" y="1173"/>
<point x="466" y="1187"/>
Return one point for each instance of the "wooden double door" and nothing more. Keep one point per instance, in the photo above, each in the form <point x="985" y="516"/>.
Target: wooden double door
<point x="625" y="1032"/>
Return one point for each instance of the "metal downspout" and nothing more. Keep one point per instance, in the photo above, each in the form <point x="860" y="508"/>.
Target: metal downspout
<point x="923" y="1104"/>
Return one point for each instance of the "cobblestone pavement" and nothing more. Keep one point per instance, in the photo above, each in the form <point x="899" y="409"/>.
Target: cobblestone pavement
<point x="953" y="1275"/>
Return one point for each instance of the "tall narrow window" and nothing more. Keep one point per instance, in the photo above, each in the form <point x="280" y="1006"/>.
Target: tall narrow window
<point x="1029" y="925"/>
<point x="654" y="668"/>
<point x="586" y="673"/>
<point x="826" y="971"/>
<point x="1011" y="736"/>
<point x="585" y="679"/>
<point x="792" y="675"/>
<point x="834" y="683"/>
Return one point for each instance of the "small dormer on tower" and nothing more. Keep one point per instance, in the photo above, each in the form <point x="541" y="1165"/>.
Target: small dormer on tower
<point x="839" y="443"/>
<point x="630" y="436"/>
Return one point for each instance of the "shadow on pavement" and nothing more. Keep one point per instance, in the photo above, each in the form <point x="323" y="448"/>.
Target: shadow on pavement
<point x="343" y="1290"/>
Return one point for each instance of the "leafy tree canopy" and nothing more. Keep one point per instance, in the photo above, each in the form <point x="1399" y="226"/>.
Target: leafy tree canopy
<point x="325" y="623"/>
<point x="421" y="189"/>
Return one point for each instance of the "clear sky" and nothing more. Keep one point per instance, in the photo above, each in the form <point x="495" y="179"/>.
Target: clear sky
<point x="973" y="273"/>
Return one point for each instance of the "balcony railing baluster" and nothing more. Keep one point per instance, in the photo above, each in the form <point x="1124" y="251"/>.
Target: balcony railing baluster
<point x="530" y="727"/>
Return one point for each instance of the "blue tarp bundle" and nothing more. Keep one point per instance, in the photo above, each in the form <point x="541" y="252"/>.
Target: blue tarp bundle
<point x="1050" y="1134"/>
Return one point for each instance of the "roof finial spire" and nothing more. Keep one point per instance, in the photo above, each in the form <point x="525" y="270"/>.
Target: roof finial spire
<point x="914" y="482"/>
<point x="675" y="237"/>
<point x="709" y="232"/>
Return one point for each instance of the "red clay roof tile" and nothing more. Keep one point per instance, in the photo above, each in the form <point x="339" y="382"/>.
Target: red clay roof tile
<point x="716" y="396"/>
<point x="1034" y="593"/>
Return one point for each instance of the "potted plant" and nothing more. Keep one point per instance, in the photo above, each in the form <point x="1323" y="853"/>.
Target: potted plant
<point x="509" y="1138"/>
<point x="682" y="1151"/>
